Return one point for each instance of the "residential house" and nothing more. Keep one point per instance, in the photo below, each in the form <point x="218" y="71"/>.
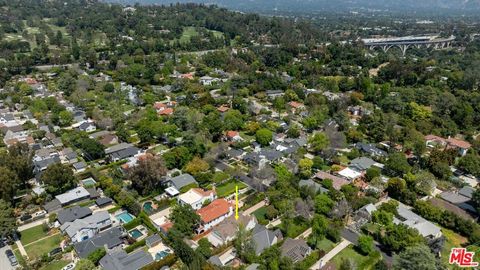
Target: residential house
<point x="265" y="238"/>
<point x="272" y="94"/>
<point x="104" y="137"/>
<point x="85" y="228"/>
<point x="180" y="181"/>
<point x="74" y="195"/>
<point x="426" y="228"/>
<point x="68" y="155"/>
<point x="213" y="214"/>
<point x="41" y="165"/>
<point x="295" y="249"/>
<point x="108" y="239"/>
<point x="119" y="259"/>
<point x="461" y="198"/>
<point x="87" y="126"/>
<point x="196" y="197"/>
<point x="312" y="184"/>
<point x="223" y="259"/>
<point x="121" y="151"/>
<point x="296" y="106"/>
<point x="461" y="145"/>
<point x="358" y="167"/>
<point x="371" y="149"/>
<point x="225" y="231"/>
<point x="72" y="214"/>
<point x="337" y="182"/>
<point x="233" y="136"/>
<point x="208" y="81"/>
<point x="79" y="167"/>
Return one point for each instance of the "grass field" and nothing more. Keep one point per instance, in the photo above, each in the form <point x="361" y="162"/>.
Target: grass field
<point x="455" y="240"/>
<point x="359" y="261"/>
<point x="55" y="265"/>
<point x="32" y="234"/>
<point x="228" y="188"/>
<point x="260" y="215"/>
<point x="326" y="245"/>
<point x="37" y="249"/>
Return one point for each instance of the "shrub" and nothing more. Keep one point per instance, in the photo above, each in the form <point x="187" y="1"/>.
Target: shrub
<point x="135" y="245"/>
<point x="97" y="255"/>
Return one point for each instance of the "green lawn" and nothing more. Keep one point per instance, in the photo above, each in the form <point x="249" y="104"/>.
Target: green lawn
<point x="326" y="245"/>
<point x="37" y="249"/>
<point x="55" y="265"/>
<point x="359" y="261"/>
<point x="260" y="215"/>
<point x="455" y="240"/>
<point x="228" y="188"/>
<point x="32" y="234"/>
<point x="293" y="228"/>
<point x="187" y="33"/>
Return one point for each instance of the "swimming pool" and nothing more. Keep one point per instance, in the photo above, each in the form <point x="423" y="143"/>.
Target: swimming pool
<point x="135" y="233"/>
<point x="148" y="207"/>
<point x="88" y="182"/>
<point x="161" y="254"/>
<point x="125" y="217"/>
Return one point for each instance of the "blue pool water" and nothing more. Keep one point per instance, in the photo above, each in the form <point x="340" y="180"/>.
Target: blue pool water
<point x="89" y="182"/>
<point x="160" y="255"/>
<point x="135" y="233"/>
<point x="148" y="207"/>
<point x="125" y="217"/>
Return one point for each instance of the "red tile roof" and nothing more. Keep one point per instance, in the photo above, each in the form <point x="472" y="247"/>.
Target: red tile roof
<point x="232" y="133"/>
<point x="337" y="182"/>
<point x="295" y="104"/>
<point x="214" y="210"/>
<point x="223" y="108"/>
<point x="458" y="143"/>
<point x="166" y="111"/>
<point x="159" y="105"/>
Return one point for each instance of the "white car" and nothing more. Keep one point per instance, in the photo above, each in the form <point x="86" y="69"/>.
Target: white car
<point x="69" y="266"/>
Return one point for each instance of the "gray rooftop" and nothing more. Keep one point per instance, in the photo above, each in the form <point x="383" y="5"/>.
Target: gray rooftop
<point x="313" y="184"/>
<point x="264" y="238"/>
<point x="93" y="221"/>
<point x="295" y="249"/>
<point x="362" y="163"/>
<point x="109" y="239"/>
<point x="409" y="218"/>
<point x="73" y="213"/>
<point x="182" y="180"/>
<point x="75" y="194"/>
<point x="120" y="260"/>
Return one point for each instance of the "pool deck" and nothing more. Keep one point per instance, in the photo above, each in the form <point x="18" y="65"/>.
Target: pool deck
<point x="154" y="250"/>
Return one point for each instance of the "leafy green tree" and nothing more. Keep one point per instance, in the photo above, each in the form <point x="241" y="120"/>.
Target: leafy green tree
<point x="263" y="136"/>
<point x="293" y="131"/>
<point x="372" y="172"/>
<point x="365" y="244"/>
<point x="233" y="120"/>
<point x="9" y="184"/>
<point x="177" y="157"/>
<point x="147" y="175"/>
<point x="305" y="166"/>
<point x="416" y="257"/>
<point x="476" y="199"/>
<point x="108" y="87"/>
<point x="244" y="244"/>
<point x="204" y="247"/>
<point x="323" y="204"/>
<point x="8" y="223"/>
<point x="58" y="178"/>
<point x="319" y="229"/>
<point x="382" y="217"/>
<point x="65" y="118"/>
<point x="84" y="264"/>
<point x="425" y="183"/>
<point x="396" y="186"/>
<point x="470" y="163"/>
<point x="184" y="219"/>
<point x="397" y="165"/>
<point x="398" y="237"/>
<point x="96" y="255"/>
<point x="92" y="148"/>
<point x="318" y="142"/>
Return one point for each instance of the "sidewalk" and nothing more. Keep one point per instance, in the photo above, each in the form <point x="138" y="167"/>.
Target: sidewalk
<point x="254" y="208"/>
<point x="325" y="259"/>
<point x="21" y="249"/>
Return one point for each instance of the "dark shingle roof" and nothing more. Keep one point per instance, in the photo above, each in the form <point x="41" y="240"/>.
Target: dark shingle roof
<point x="109" y="239"/>
<point x="72" y="213"/>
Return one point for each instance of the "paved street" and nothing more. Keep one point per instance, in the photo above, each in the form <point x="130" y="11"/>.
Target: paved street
<point x="4" y="262"/>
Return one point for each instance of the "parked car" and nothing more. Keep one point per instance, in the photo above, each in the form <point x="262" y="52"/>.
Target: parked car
<point x="69" y="266"/>
<point x="55" y="251"/>
<point x="11" y="257"/>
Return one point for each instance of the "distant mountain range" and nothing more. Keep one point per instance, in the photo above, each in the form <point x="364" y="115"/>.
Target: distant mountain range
<point x="312" y="6"/>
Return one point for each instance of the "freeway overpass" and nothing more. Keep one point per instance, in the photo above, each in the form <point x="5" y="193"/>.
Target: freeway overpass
<point x="404" y="43"/>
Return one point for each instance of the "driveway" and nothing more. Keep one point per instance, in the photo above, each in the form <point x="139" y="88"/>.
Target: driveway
<point x="325" y="259"/>
<point x="4" y="262"/>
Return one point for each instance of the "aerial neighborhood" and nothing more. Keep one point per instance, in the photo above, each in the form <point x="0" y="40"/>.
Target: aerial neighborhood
<point x="193" y="137"/>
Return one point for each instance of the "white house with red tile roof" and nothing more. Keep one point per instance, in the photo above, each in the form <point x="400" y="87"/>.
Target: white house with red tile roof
<point x="214" y="213"/>
<point x="461" y="145"/>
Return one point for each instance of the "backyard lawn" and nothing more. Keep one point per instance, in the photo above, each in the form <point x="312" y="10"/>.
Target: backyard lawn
<point x="260" y="215"/>
<point x="360" y="261"/>
<point x="37" y="249"/>
<point x="32" y="234"/>
<point x="326" y="245"/>
<point x="228" y="188"/>
<point x="455" y="240"/>
<point x="55" y="265"/>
